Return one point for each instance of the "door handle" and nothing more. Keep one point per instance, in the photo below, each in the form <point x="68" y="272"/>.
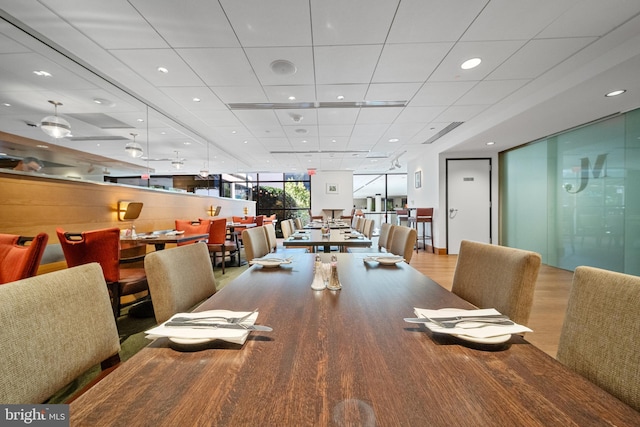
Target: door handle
<point x="453" y="212"/>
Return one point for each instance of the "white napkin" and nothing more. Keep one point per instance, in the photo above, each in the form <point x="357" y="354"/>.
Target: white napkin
<point x="270" y="262"/>
<point x="468" y="328"/>
<point x="238" y="336"/>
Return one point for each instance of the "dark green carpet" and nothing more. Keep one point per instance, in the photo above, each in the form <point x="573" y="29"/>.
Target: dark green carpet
<point x="132" y="337"/>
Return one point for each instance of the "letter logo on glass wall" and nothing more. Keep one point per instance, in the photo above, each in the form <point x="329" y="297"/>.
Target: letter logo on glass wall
<point x="585" y="167"/>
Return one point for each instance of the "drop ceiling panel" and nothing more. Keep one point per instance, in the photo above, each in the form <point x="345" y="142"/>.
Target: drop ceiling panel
<point x="259" y="23"/>
<point x="409" y="62"/>
<point x="218" y="118"/>
<point x="279" y="94"/>
<point x="378" y="115"/>
<point x="392" y="91"/>
<point x="338" y="116"/>
<point x="591" y="18"/>
<point x="433" y="21"/>
<point x="301" y="57"/>
<point x="185" y="96"/>
<point x="526" y="19"/>
<point x="346" y="64"/>
<point x="418" y="114"/>
<point x="461" y="113"/>
<point x="24" y="64"/>
<point x="112" y="25"/>
<point x="372" y="131"/>
<point x="490" y="92"/>
<point x="350" y="92"/>
<point x="145" y="62"/>
<point x="338" y="22"/>
<point x="492" y="53"/>
<point x="258" y="117"/>
<point x="208" y="25"/>
<point x="440" y="93"/>
<point x="332" y="131"/>
<point x="220" y="66"/>
<point x="234" y="94"/>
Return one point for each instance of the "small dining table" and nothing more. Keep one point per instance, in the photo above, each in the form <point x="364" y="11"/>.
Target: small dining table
<point x="344" y="358"/>
<point x="337" y="237"/>
<point x="159" y="240"/>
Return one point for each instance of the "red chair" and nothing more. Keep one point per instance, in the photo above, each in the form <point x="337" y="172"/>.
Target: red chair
<point x="103" y="247"/>
<point x="18" y="260"/>
<point x="218" y="243"/>
<point x="193" y="227"/>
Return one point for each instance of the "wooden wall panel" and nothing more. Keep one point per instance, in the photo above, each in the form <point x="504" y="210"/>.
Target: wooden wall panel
<point x="33" y="204"/>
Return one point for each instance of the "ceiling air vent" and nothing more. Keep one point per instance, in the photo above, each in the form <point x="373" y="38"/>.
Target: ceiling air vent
<point x="306" y="105"/>
<point x="99" y="138"/>
<point x="443" y="132"/>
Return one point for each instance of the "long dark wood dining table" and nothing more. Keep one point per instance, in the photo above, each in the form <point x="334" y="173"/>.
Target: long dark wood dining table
<point x="337" y="237"/>
<point x="344" y="358"/>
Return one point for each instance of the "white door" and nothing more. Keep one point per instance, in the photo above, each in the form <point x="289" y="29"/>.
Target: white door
<point x="468" y="202"/>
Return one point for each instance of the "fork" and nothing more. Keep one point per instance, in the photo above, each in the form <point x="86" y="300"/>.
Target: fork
<point x="485" y="322"/>
<point x="226" y="319"/>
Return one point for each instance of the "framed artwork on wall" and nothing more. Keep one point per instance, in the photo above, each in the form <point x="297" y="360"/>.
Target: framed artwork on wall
<point x="332" y="188"/>
<point x="418" y="178"/>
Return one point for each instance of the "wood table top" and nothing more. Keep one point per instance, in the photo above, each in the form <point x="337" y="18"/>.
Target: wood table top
<point x="337" y="237"/>
<point x="344" y="356"/>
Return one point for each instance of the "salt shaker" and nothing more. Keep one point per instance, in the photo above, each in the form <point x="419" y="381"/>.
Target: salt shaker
<point x="334" y="280"/>
<point x="318" y="280"/>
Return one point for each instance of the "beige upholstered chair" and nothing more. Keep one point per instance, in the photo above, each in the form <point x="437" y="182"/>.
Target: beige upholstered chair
<point x="255" y="243"/>
<point x="402" y="241"/>
<point x="492" y="276"/>
<point x="367" y="229"/>
<point x="272" y="242"/>
<point x="385" y="236"/>
<point x="297" y="222"/>
<point x="359" y="224"/>
<point x="179" y="278"/>
<point x="55" y="327"/>
<point x="287" y="228"/>
<point x="599" y="338"/>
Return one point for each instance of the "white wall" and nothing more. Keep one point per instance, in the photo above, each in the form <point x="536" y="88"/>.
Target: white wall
<point x="320" y="199"/>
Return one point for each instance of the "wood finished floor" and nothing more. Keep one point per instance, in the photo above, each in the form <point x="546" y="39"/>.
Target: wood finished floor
<point x="549" y="303"/>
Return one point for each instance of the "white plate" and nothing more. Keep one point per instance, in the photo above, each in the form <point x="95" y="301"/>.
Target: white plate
<point x="191" y="341"/>
<point x="270" y="263"/>
<point x="389" y="260"/>
<point x="298" y="237"/>
<point x="499" y="339"/>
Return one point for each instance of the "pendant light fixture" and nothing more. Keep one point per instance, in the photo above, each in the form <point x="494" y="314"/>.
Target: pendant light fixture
<point x="133" y="148"/>
<point x="177" y="163"/>
<point x="54" y="126"/>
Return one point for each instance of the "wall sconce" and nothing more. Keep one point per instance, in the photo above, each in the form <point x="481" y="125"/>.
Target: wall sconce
<point x="211" y="210"/>
<point x="129" y="210"/>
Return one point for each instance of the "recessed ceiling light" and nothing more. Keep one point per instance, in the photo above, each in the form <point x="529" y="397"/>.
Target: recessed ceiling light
<point x="292" y="98"/>
<point x="187" y="143"/>
<point x="140" y="120"/>
<point x="246" y="142"/>
<point x="42" y="73"/>
<point x="394" y="140"/>
<point x="304" y="141"/>
<point x="615" y="93"/>
<point x="163" y="70"/>
<point x="471" y="63"/>
<point x="196" y="99"/>
<point x="340" y="97"/>
<point x="490" y="143"/>
<point x="234" y="132"/>
<point x="6" y="104"/>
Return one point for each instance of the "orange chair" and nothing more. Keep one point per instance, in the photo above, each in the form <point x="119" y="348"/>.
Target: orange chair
<point x="218" y="243"/>
<point x="103" y="246"/>
<point x="18" y="260"/>
<point x="200" y="226"/>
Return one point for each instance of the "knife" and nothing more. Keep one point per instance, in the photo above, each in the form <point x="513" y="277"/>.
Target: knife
<point x="452" y="319"/>
<point x="202" y="325"/>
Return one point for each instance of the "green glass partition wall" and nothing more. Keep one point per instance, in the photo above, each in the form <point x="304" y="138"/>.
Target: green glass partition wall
<point x="575" y="197"/>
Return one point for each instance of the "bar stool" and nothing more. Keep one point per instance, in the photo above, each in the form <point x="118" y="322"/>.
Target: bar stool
<point x="423" y="216"/>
